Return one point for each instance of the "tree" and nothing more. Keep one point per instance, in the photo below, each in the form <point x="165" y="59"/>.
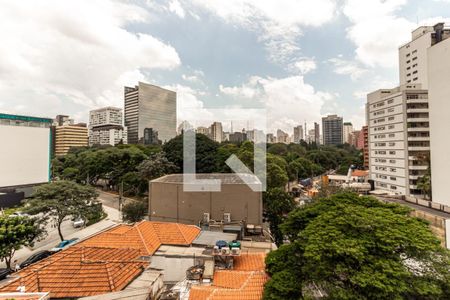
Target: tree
<point x="60" y="200"/>
<point x="15" y="233"/>
<point x="134" y="211"/>
<point x="354" y="247"/>
<point x="156" y="166"/>
<point x="277" y="203"/>
<point x="424" y="184"/>
<point x="205" y="154"/>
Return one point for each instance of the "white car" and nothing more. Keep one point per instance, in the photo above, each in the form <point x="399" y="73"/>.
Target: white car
<point x="19" y="214"/>
<point x="79" y="222"/>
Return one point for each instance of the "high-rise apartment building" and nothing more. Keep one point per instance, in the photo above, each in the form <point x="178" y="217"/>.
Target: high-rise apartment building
<point x="106" y="127"/>
<point x="399" y="138"/>
<point x="282" y="137"/>
<point x="332" y="128"/>
<point x="365" y="145"/>
<point x="203" y="130"/>
<point x="150" y="109"/>
<point x="413" y="61"/>
<point x="62" y="120"/>
<point x="439" y="95"/>
<point x="347" y="131"/>
<point x="70" y="136"/>
<point x="298" y="134"/>
<point x="316" y="133"/>
<point x="216" y="132"/>
<point x="270" y="138"/>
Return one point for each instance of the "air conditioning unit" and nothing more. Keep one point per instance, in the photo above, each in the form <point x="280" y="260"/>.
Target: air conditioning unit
<point x="227" y="218"/>
<point x="205" y="217"/>
<point x="216" y="250"/>
<point x="225" y="251"/>
<point x="235" y="251"/>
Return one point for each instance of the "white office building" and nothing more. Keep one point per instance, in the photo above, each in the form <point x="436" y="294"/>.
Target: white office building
<point x="105" y="127"/>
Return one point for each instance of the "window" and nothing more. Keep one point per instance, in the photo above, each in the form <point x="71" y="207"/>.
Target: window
<point x="393" y="178"/>
<point x="390" y="101"/>
<point x="391" y="118"/>
<point x="393" y="187"/>
<point x="392" y="152"/>
<point x="391" y="135"/>
<point x="391" y="126"/>
<point x="392" y="161"/>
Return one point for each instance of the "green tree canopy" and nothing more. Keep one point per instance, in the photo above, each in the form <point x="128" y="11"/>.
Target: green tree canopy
<point x="15" y="233"/>
<point x="353" y="247"/>
<point x="277" y="203"/>
<point x="135" y="211"/>
<point x="59" y="200"/>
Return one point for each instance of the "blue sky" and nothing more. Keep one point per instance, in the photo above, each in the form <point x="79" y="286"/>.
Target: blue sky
<point x="299" y="59"/>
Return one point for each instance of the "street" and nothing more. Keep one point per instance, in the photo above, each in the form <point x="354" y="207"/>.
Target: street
<point x="52" y="239"/>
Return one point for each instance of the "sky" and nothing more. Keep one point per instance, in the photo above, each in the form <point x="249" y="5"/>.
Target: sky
<point x="297" y="60"/>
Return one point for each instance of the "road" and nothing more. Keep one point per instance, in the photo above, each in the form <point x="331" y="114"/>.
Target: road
<point x="109" y="201"/>
<point x="416" y="206"/>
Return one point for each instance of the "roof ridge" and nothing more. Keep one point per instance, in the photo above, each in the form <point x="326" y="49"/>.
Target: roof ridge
<point x="181" y="231"/>
<point x="110" y="279"/>
<point x="143" y="240"/>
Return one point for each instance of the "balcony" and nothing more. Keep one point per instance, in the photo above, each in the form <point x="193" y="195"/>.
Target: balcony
<point x="414" y="120"/>
<point x="420" y="100"/>
<point x="418" y="129"/>
<point x="414" y="177"/>
<point x="411" y="167"/>
<point x="413" y="186"/>
<point x="419" y="138"/>
<point x="417" y="110"/>
<point x="418" y="148"/>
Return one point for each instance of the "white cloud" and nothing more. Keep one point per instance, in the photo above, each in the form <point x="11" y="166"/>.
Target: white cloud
<point x="195" y="77"/>
<point x="304" y="65"/>
<point x="176" y="8"/>
<point x="376" y="31"/>
<point x="346" y="67"/>
<point x="278" y="23"/>
<point x="73" y="52"/>
<point x="287" y="100"/>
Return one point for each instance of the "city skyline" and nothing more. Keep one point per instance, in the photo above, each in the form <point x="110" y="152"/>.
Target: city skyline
<point x="262" y="67"/>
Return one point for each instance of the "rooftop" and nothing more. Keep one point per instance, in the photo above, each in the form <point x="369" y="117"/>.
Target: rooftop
<point x="245" y="281"/>
<point x="25" y="118"/>
<point x="225" y="178"/>
<point x="104" y="263"/>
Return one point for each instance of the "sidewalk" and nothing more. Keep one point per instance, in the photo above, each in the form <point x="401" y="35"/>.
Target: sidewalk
<point x="111" y="220"/>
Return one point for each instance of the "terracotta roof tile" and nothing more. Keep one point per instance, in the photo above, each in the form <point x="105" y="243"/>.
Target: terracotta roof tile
<point x="245" y="282"/>
<point x="80" y="271"/>
<point x="146" y="236"/>
<point x="104" y="263"/>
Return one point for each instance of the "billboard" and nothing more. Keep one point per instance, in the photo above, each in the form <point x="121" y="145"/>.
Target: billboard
<point x="24" y="155"/>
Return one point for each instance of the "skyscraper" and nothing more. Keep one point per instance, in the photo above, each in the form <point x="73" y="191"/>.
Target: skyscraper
<point x="152" y="110"/>
<point x="348" y="129"/>
<point x="316" y="133"/>
<point x="332" y="130"/>
<point x="298" y="134"/>
<point x="216" y="132"/>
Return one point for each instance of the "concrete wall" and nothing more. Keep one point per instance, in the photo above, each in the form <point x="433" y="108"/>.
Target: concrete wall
<point x="168" y="202"/>
<point x="439" y="95"/>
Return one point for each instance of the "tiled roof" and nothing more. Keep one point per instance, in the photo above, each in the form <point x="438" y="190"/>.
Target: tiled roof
<point x="245" y="282"/>
<point x="145" y="236"/>
<point x="106" y="262"/>
<point x="80" y="271"/>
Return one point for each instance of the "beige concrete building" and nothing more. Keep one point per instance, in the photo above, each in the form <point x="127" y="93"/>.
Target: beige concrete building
<point x="439" y="94"/>
<point x="399" y="139"/>
<point x="70" y="136"/>
<point x="235" y="202"/>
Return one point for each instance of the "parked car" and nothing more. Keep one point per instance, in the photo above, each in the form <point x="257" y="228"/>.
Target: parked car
<point x="35" y="258"/>
<point x="19" y="214"/>
<point x="4" y="272"/>
<point x="64" y="244"/>
<point x="78" y="222"/>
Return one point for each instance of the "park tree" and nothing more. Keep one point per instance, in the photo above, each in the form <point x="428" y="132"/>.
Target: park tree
<point x="59" y="200"/>
<point x="156" y="166"/>
<point x="17" y="232"/>
<point x="135" y="211"/>
<point x="356" y="247"/>
<point x="205" y="154"/>
<point x="277" y="204"/>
